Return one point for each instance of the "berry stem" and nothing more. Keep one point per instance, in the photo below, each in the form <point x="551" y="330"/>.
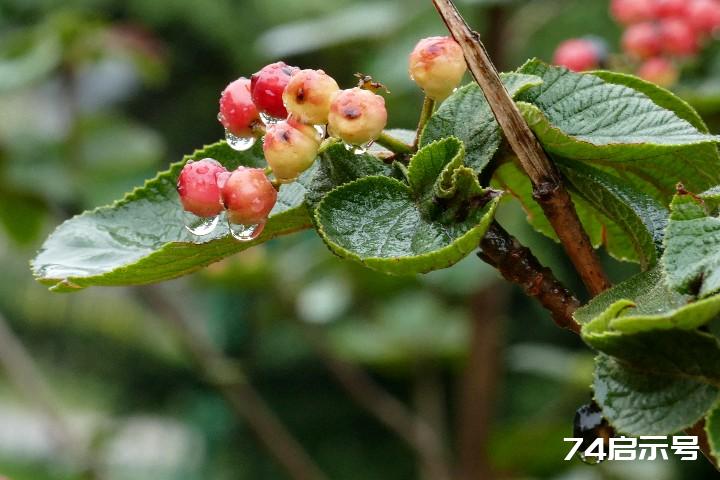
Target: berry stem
<point x="548" y="188"/>
<point x="427" y="110"/>
<point x="393" y="144"/>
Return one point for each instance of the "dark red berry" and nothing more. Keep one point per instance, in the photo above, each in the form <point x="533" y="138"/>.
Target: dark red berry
<point x="660" y="71"/>
<point x="671" y="8"/>
<point x="248" y="196"/>
<point x="628" y="12"/>
<point x="267" y="87"/>
<point x="704" y="15"/>
<point x="238" y="113"/>
<point x="198" y="187"/>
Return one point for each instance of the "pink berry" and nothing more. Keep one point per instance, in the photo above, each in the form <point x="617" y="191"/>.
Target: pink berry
<point x="267" y="87"/>
<point x="290" y="148"/>
<point x="628" y="12"/>
<point x="671" y="8"/>
<point x="678" y="37"/>
<point x="578" y="54"/>
<point x="642" y="40"/>
<point x="248" y="196"/>
<point x="238" y="113"/>
<point x="437" y="65"/>
<point x="357" y="116"/>
<point x="704" y="15"/>
<point x="308" y="94"/>
<point x="198" y="187"/>
<point x="660" y="71"/>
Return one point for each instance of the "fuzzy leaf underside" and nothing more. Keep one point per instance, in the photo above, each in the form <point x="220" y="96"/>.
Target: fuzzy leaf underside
<point x="142" y="238"/>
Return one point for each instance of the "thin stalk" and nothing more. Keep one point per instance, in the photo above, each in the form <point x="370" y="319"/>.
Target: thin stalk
<point x="393" y="144"/>
<point x="427" y="110"/>
<point x="548" y="188"/>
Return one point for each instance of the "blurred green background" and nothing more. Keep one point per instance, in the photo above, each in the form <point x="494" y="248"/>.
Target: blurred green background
<point x="375" y="377"/>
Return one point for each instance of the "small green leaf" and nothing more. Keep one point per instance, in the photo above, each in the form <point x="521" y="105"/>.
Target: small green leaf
<point x="653" y="305"/>
<point x="642" y="403"/>
<point x="337" y="166"/>
<point x="692" y="248"/>
<point x="142" y="238"/>
<point x="467" y="116"/>
<point x="389" y="226"/>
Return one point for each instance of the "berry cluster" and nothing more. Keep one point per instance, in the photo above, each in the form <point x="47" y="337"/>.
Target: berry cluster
<point x="293" y="110"/>
<point x="659" y="36"/>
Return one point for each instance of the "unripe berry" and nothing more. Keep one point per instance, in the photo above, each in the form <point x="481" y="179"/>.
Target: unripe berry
<point x="642" y="40"/>
<point x="248" y="196"/>
<point x="238" y="113"/>
<point x="357" y="116"/>
<point x="198" y="187"/>
<point x="437" y="65"/>
<point x="628" y="12"/>
<point x="671" y="8"/>
<point x="267" y="87"/>
<point x="579" y="54"/>
<point x="308" y="95"/>
<point x="290" y="148"/>
<point x="678" y="38"/>
<point x="660" y="71"/>
<point x="704" y="15"/>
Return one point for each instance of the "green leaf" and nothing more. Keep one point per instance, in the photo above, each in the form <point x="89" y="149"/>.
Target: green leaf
<point x="584" y="117"/>
<point x="337" y="166"/>
<point x="648" y="303"/>
<point x="643" y="403"/>
<point x="627" y="222"/>
<point x="142" y="238"/>
<point x="712" y="428"/>
<point x="692" y="249"/>
<point x="467" y="116"/>
<point x="390" y="226"/>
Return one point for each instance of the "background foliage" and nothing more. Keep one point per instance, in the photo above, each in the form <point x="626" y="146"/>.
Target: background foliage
<point x="97" y="95"/>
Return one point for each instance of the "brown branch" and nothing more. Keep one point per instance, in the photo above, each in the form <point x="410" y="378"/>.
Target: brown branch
<point x="518" y="265"/>
<point x="390" y="411"/>
<point x="479" y="384"/>
<point x="228" y="378"/>
<point x="548" y="188"/>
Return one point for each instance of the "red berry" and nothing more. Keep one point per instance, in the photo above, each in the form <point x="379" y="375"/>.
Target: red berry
<point x="290" y="148"/>
<point x="198" y="187"/>
<point x="357" y="116"/>
<point x="238" y="113"/>
<point x="628" y="12"/>
<point x="660" y="71"/>
<point x="267" y="87"/>
<point x="704" y="15"/>
<point x="248" y="196"/>
<point x="678" y="37"/>
<point x="671" y="8"/>
<point x="308" y="95"/>
<point x="642" y="40"/>
<point x="577" y="54"/>
<point x="437" y="65"/>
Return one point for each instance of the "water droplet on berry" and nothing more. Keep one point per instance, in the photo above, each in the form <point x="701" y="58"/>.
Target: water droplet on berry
<point x="321" y="130"/>
<point x="239" y="143"/>
<point x="245" y="233"/>
<point x="269" y="119"/>
<point x="201" y="226"/>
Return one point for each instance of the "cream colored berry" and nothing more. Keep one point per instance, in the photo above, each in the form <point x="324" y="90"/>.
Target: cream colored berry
<point x="437" y="65"/>
<point x="357" y="116"/>
<point x="308" y="94"/>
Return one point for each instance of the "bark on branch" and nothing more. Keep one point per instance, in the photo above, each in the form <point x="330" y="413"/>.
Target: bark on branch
<point x="518" y="265"/>
<point x="548" y="188"/>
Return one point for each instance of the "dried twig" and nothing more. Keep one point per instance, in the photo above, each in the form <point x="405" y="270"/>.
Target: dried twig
<point x="548" y="189"/>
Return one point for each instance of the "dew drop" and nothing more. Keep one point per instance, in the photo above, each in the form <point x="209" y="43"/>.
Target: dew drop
<point x="356" y="149"/>
<point x="321" y="130"/>
<point x="245" y="233"/>
<point x="239" y="143"/>
<point x="201" y="226"/>
<point x="269" y="119"/>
